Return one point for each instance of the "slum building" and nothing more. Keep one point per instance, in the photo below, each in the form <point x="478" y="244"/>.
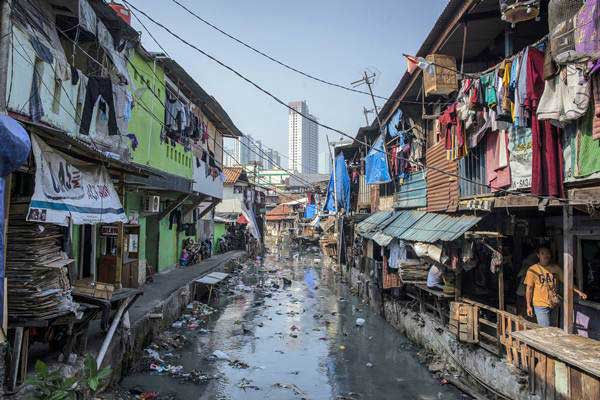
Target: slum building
<point x="125" y="167"/>
<point x="487" y="150"/>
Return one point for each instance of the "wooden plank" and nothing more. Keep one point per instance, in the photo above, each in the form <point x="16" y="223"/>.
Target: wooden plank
<point x="561" y="381"/>
<point x="575" y="385"/>
<point x="23" y="363"/>
<point x="550" y="391"/>
<point x="578" y="351"/>
<point x="489" y="337"/>
<point x="488" y="323"/>
<point x="16" y="357"/>
<point x="590" y="387"/>
<point x="540" y="375"/>
<point x="568" y="268"/>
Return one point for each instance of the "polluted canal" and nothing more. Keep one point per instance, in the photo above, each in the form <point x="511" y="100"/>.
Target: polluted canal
<point x="282" y="329"/>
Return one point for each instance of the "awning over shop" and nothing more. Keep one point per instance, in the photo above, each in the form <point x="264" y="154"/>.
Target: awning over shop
<point x="415" y="226"/>
<point x="421" y="226"/>
<point x="68" y="190"/>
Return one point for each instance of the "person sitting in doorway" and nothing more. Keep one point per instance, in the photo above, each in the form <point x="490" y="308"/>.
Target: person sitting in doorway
<point x="542" y="289"/>
<point x="435" y="278"/>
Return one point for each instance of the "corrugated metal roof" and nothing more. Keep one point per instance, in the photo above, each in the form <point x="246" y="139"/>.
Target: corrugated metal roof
<point x="420" y="226"/>
<point x="374" y="223"/>
<point x="403" y="221"/>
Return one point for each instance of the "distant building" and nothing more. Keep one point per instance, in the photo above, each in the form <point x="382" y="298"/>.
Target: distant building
<point x="273" y="160"/>
<point x="303" y="140"/>
<point x="324" y="163"/>
<point x="249" y="151"/>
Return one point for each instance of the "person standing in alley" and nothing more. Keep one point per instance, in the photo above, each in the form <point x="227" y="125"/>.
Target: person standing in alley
<point x="542" y="294"/>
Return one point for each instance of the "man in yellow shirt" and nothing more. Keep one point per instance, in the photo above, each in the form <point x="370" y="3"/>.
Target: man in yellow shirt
<point x="542" y="289"/>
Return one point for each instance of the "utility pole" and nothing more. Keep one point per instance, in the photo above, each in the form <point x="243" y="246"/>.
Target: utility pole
<point x="333" y="171"/>
<point x="368" y="80"/>
<point x="366" y="112"/>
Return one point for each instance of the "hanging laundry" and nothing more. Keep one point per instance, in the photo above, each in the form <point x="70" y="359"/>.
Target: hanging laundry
<point x="587" y="29"/>
<point x="502" y="80"/>
<point x="488" y="84"/>
<point x="134" y="141"/>
<point x="547" y="157"/>
<point x="394" y="125"/>
<point x="496" y="160"/>
<point x="377" y="170"/>
<point x="397" y="253"/>
<point x="588" y="148"/>
<point x="453" y="133"/>
<point x="521" y="91"/>
<point x="566" y="96"/>
<point x="97" y="87"/>
<point x="520" y="157"/>
<point x="596" y="107"/>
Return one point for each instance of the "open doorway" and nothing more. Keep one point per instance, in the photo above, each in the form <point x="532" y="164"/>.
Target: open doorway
<point x="152" y="240"/>
<point x="87" y="254"/>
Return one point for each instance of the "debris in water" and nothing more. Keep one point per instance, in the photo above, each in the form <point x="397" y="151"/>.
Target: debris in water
<point x="238" y="364"/>
<point x="221" y="355"/>
<point x="297" y="391"/>
<point x="360" y="321"/>
<point x="247" y="384"/>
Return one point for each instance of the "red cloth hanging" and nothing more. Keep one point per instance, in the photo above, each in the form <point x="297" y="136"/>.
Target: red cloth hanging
<point x="547" y="156"/>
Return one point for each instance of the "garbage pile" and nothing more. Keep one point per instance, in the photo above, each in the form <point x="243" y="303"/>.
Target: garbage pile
<point x="196" y="314"/>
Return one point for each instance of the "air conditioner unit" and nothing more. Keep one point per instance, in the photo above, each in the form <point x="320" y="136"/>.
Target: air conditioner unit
<point x="152" y="204"/>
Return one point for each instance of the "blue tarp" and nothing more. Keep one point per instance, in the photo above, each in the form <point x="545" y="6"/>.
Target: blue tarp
<point x="377" y="170"/>
<point x="393" y="123"/>
<point x="342" y="183"/>
<point x="14" y="150"/>
<point x="310" y="211"/>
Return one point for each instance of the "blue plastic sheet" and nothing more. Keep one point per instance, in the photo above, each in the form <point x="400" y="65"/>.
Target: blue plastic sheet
<point x="377" y="170"/>
<point x="310" y="211"/>
<point x="14" y="150"/>
<point x="394" y="122"/>
<point x="342" y="186"/>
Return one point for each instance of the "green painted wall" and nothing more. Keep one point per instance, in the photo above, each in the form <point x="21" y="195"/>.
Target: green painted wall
<point x="219" y="231"/>
<point x="167" y="248"/>
<point x="149" y="77"/>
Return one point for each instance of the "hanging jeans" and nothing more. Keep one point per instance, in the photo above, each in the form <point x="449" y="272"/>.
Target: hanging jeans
<point x="98" y="87"/>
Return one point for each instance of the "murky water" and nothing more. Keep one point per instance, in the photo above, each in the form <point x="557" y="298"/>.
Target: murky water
<point x="299" y="341"/>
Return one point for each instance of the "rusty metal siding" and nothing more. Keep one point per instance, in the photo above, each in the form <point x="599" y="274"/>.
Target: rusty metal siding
<point x="442" y="188"/>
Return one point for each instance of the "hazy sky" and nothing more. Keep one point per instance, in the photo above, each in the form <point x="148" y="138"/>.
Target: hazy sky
<point x="335" y="40"/>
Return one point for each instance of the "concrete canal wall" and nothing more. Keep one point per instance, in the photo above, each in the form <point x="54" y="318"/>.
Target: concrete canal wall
<point x="479" y="367"/>
<point x="126" y="350"/>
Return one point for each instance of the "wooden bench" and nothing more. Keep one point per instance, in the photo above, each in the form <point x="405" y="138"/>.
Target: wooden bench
<point x="432" y="300"/>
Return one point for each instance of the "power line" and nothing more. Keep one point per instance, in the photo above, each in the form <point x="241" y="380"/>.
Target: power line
<point x="140" y="102"/>
<point x="241" y="143"/>
<point x="262" y="53"/>
<point x="278" y="100"/>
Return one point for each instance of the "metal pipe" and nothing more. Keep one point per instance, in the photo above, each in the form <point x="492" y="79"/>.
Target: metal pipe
<point x="111" y="331"/>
